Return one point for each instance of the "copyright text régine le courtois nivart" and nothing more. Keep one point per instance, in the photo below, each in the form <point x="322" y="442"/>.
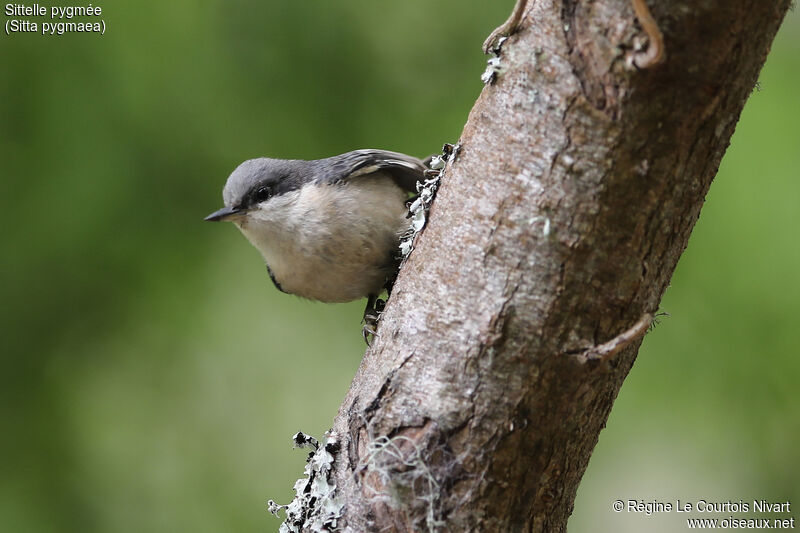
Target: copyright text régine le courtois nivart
<point x="702" y="506"/>
<point x="700" y="513"/>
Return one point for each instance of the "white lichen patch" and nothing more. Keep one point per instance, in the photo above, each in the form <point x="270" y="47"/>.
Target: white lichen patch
<point x="398" y="474"/>
<point x="418" y="210"/>
<point x="545" y="222"/>
<point x="493" y="64"/>
<point x="493" y="68"/>
<point x="315" y="506"/>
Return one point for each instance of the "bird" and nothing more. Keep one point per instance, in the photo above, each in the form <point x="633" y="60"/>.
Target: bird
<point x="328" y="229"/>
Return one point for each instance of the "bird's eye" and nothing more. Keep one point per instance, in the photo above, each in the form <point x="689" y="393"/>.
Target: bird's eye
<point x="263" y="193"/>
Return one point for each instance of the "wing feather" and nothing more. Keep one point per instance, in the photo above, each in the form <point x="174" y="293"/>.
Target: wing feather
<point x="406" y="170"/>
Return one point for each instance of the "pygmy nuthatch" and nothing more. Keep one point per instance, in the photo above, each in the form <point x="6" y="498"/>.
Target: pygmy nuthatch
<point x="328" y="229"/>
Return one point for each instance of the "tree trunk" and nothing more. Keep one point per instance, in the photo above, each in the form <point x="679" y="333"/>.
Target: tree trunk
<point x="555" y="230"/>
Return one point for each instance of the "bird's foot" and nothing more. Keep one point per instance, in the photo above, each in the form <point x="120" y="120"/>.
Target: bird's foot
<point x="372" y="315"/>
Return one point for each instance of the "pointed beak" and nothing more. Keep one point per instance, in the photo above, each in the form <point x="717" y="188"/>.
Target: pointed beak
<point x="223" y="214"/>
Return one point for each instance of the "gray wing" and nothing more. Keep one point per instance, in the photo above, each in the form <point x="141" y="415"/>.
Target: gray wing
<point x="404" y="169"/>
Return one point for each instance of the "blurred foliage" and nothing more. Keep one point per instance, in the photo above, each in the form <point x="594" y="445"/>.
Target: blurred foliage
<point x="152" y="376"/>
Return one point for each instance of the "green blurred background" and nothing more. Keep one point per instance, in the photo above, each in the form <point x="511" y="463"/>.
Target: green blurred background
<point x="151" y="374"/>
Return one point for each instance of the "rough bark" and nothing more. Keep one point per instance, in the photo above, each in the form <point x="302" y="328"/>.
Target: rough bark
<point x="556" y="229"/>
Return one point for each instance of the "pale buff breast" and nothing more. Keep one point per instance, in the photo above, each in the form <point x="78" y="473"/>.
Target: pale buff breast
<point x="332" y="243"/>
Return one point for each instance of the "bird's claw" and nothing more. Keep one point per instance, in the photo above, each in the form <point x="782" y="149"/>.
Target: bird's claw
<point x="372" y="315"/>
<point x="366" y="331"/>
